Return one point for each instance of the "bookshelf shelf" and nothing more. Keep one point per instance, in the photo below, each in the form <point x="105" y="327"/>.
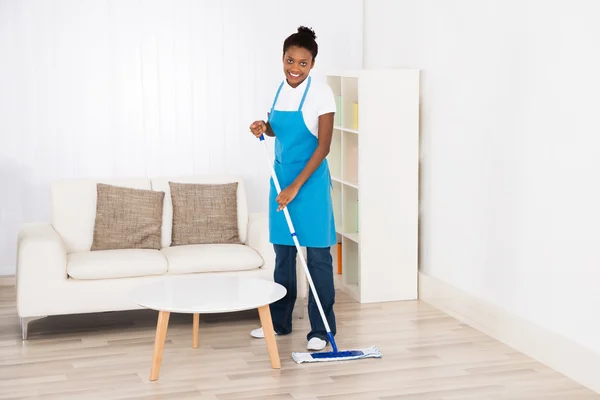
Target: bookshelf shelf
<point x="374" y="161"/>
<point x="350" y="158"/>
<point x="335" y="154"/>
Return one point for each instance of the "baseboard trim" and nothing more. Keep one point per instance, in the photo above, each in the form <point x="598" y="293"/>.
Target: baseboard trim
<point x="8" y="280"/>
<point x="556" y="351"/>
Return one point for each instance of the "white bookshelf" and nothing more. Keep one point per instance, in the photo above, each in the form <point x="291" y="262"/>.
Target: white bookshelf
<point x="374" y="161"/>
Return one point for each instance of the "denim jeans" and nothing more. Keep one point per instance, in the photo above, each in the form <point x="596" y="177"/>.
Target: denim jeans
<point x="320" y="266"/>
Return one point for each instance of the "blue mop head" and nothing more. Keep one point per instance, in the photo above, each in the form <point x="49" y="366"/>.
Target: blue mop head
<point x="371" y="352"/>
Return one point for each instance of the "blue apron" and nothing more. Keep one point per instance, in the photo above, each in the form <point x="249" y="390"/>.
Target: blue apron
<point x="311" y="210"/>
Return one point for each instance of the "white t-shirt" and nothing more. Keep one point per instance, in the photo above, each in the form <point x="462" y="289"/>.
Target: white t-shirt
<point x="319" y="100"/>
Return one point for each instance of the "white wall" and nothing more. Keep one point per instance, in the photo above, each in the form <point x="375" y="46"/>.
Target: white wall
<point x="510" y="149"/>
<point x="130" y="88"/>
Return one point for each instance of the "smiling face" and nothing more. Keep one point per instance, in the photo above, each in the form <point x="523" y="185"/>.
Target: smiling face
<point x="297" y="63"/>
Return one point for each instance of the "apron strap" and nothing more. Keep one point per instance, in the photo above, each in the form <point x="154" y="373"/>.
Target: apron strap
<point x="276" y="97"/>
<point x="304" y="96"/>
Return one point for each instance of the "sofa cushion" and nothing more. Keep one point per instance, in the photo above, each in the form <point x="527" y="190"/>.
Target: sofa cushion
<point x="204" y="213"/>
<point x="74" y="209"/>
<point x="127" y="218"/>
<point x="107" y="264"/>
<point x="162" y="184"/>
<point x="211" y="258"/>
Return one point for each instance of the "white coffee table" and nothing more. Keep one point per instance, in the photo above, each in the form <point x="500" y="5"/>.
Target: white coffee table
<point x="208" y="294"/>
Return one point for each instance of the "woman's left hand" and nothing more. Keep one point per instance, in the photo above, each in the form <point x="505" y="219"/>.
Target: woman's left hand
<point x="286" y="196"/>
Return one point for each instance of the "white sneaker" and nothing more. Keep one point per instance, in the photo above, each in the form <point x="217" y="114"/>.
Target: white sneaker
<point x="316" y="344"/>
<point x="258" y="333"/>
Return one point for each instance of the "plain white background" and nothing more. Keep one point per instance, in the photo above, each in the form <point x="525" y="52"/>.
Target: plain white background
<point x="510" y="196"/>
<point x="145" y="88"/>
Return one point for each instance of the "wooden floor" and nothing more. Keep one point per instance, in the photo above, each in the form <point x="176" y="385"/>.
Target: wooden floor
<point x="426" y="356"/>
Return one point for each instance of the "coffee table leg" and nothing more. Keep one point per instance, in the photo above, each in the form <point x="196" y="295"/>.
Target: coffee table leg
<point x="267" y="325"/>
<point x="159" y="343"/>
<point x="195" y="331"/>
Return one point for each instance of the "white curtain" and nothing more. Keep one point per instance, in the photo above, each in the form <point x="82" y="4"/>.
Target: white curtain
<point x="144" y="88"/>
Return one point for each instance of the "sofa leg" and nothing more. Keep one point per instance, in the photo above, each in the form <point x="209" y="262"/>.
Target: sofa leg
<point x="25" y="323"/>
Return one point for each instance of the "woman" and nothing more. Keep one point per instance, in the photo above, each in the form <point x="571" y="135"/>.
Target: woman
<point x="301" y="121"/>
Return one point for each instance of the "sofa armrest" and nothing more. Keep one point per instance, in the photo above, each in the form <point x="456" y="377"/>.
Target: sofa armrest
<point x="41" y="263"/>
<point x="258" y="239"/>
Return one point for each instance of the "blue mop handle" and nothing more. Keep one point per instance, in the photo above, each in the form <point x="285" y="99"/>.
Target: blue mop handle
<point x="295" y="238"/>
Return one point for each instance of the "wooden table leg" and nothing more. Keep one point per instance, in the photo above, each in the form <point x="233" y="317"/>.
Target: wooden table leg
<point x="195" y="331"/>
<point x="267" y="325"/>
<point x="159" y="343"/>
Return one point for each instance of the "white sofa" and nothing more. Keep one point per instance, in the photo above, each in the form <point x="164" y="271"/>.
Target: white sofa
<point x="57" y="273"/>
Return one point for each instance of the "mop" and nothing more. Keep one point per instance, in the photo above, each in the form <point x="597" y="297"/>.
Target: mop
<point x="335" y="355"/>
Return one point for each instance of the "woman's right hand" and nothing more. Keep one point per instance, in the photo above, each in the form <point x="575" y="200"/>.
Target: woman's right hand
<point x="258" y="128"/>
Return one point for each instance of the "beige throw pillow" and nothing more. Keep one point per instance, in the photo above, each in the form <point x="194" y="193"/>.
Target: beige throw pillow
<point x="127" y="218"/>
<point x="204" y="213"/>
